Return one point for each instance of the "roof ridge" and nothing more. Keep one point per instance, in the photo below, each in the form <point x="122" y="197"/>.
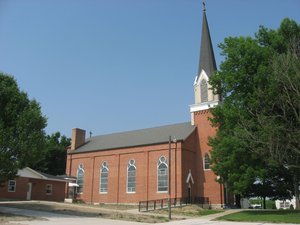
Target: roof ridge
<point x="134" y="138"/>
<point x="136" y="130"/>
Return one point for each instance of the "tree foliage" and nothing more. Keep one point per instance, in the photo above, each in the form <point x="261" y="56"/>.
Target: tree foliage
<point x="54" y="160"/>
<point x="259" y="124"/>
<point x="21" y="128"/>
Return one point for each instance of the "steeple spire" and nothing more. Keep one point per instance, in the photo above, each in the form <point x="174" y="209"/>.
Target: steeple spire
<point x="204" y="95"/>
<point x="207" y="58"/>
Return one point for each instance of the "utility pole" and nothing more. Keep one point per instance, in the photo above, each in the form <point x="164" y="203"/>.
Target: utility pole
<point x="169" y="184"/>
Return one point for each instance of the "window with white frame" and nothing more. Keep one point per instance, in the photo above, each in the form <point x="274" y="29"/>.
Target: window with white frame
<point x="80" y="178"/>
<point x="206" y="162"/>
<point x="104" y="178"/>
<point x="11" y="187"/>
<point x="131" y="176"/>
<point x="204" y="90"/>
<point x="162" y="174"/>
<point x="49" y="188"/>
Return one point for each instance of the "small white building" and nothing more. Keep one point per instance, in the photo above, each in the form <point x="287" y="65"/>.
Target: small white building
<point x="286" y="204"/>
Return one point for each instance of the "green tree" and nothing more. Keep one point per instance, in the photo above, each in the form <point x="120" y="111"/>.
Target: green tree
<point x="274" y="126"/>
<point x="54" y="160"/>
<point x="21" y="129"/>
<point x="259" y="117"/>
<point x="286" y="69"/>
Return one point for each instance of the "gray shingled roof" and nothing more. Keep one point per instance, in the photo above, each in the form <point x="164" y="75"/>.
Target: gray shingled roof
<point x="207" y="58"/>
<point x="31" y="173"/>
<point x="52" y="177"/>
<point x="142" y="137"/>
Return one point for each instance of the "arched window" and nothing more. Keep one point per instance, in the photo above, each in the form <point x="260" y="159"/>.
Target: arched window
<point x="162" y="174"/>
<point x="131" y="176"/>
<point x="80" y="178"/>
<point x="204" y="91"/>
<point x="206" y="162"/>
<point x="104" y="178"/>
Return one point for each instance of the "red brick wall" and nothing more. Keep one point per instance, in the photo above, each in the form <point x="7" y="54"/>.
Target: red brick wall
<point x="38" y="190"/>
<point x="208" y="187"/>
<point x="146" y="158"/>
<point x="21" y="189"/>
<point x="189" y="154"/>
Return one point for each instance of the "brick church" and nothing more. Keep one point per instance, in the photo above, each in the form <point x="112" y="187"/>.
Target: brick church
<point x="142" y="165"/>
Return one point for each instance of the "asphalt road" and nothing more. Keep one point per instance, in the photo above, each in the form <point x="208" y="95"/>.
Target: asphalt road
<point x="61" y="219"/>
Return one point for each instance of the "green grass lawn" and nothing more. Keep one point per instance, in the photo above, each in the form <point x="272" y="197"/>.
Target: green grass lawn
<point x="274" y="216"/>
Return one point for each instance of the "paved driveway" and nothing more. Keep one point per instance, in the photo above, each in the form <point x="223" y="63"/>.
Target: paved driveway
<point x="61" y="219"/>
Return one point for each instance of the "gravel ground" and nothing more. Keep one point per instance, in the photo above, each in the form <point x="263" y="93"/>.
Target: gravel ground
<point x="59" y="214"/>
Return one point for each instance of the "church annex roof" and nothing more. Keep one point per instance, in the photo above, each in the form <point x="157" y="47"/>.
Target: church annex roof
<point x="149" y="136"/>
<point x="207" y="58"/>
<point x="31" y="173"/>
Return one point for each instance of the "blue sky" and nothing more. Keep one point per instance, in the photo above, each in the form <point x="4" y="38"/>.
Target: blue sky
<point x="115" y="65"/>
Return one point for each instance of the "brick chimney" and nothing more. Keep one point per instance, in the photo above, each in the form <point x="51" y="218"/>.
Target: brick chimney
<point x="78" y="138"/>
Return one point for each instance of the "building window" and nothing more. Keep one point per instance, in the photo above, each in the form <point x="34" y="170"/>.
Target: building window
<point x="162" y="174"/>
<point x="48" y="189"/>
<point x="206" y="162"/>
<point x="80" y="178"/>
<point x="12" y="186"/>
<point x="131" y="176"/>
<point x="204" y="91"/>
<point x="104" y="178"/>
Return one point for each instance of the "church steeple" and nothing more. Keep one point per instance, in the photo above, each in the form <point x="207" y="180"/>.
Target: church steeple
<point x="207" y="60"/>
<point x="204" y="96"/>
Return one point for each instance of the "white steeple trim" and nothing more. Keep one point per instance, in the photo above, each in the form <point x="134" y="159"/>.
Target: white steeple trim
<point x="199" y="77"/>
<point x="197" y="88"/>
<point x="190" y="177"/>
<point x="203" y="106"/>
